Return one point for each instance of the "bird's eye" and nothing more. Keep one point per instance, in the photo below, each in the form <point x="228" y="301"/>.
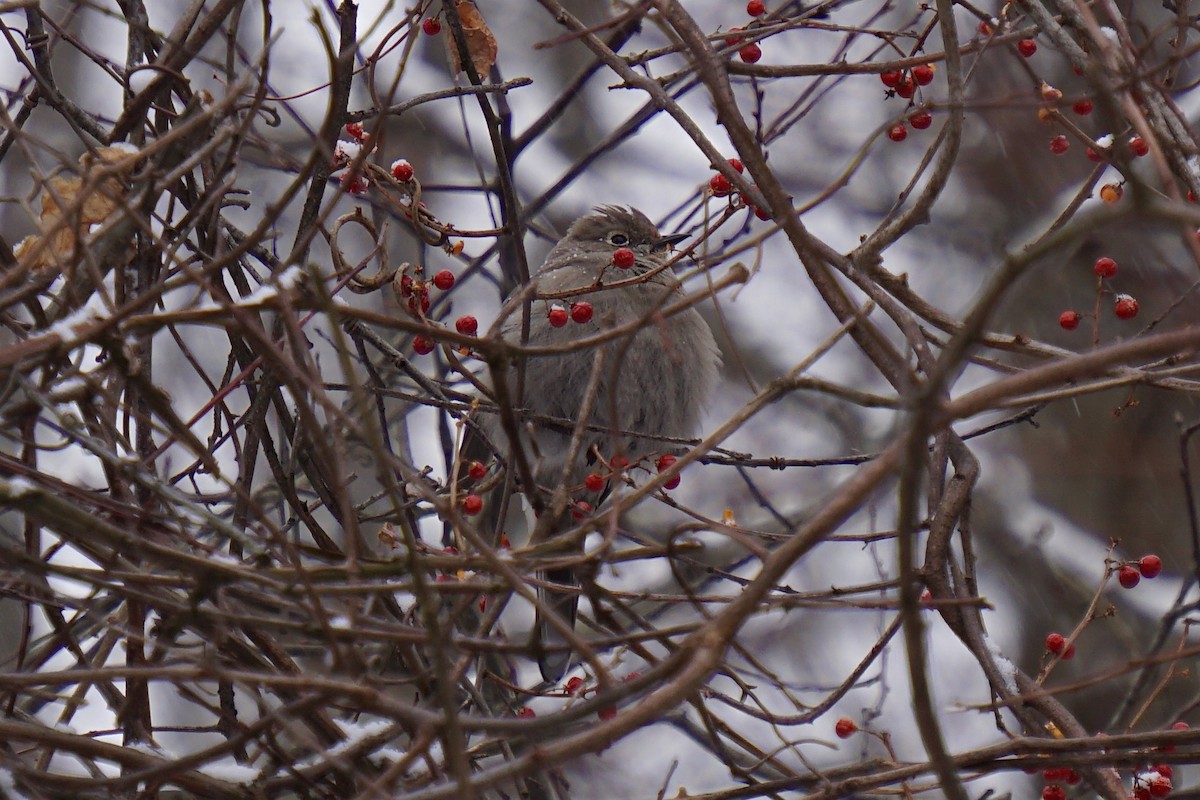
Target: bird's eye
<point x="619" y="239"/>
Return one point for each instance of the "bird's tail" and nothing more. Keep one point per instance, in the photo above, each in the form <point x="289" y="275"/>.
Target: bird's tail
<point x="554" y="654"/>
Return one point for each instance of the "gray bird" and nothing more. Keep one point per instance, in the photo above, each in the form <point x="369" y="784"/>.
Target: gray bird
<point x="655" y="380"/>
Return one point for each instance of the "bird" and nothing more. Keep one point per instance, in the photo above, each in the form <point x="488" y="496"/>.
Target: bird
<point x="652" y="381"/>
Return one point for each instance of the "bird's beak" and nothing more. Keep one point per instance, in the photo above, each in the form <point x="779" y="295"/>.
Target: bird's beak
<point x="671" y="241"/>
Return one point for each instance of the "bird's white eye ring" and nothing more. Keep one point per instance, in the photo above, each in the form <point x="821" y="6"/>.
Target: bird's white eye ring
<point x="619" y="239"/>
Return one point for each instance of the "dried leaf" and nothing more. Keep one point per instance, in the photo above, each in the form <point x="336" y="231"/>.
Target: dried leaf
<point x="103" y="196"/>
<point x="481" y="44"/>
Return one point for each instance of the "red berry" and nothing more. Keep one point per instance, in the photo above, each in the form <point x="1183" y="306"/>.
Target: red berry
<point x="594" y="482"/>
<point x="1141" y="793"/>
<point x="1094" y="156"/>
<point x="985" y="28"/>
<point x="525" y="712"/>
<point x="607" y="713"/>
<point x="923" y="74"/>
<point x="756" y="8"/>
<point x="1054" y="792"/>
<point x="419" y="302"/>
<point x="921" y="120"/>
<point x="402" y="170"/>
<point x="1160" y="786"/>
<point x="898" y="133"/>
<point x="1128" y="576"/>
<point x="422" y="345"/>
<point x="355" y="131"/>
<point x="1027" y="47"/>
<point x="736" y="163"/>
<point x="1073" y="777"/>
<point x="664" y="463"/>
<point x="1069" y="320"/>
<point x="1055" y="642"/>
<point x="1059" y="145"/>
<point x="750" y="53"/>
<point x="891" y="78"/>
<point x="581" y="312"/>
<point x="762" y="213"/>
<point x="482" y="604"/>
<point x="444" y="280"/>
<point x="1150" y="566"/>
<point x="719" y="185"/>
<point x="574" y="685"/>
<point x="619" y="462"/>
<point x="1165" y="770"/>
<point x="1105" y="267"/>
<point x="476" y="470"/>
<point x="466" y="325"/>
<point x="581" y="509"/>
<point x="472" y="504"/>
<point x="623" y="257"/>
<point x="359" y="185"/>
<point x="906" y="88"/>
<point x="733" y="39"/>
<point x="1049" y="93"/>
<point x="1125" y="307"/>
<point x="406" y="285"/>
<point x="1083" y="107"/>
<point x="1069" y="653"/>
<point x="558" y="316"/>
<point x="1138" y="146"/>
<point x="845" y="728"/>
<point x="432" y="26"/>
<point x="631" y="677"/>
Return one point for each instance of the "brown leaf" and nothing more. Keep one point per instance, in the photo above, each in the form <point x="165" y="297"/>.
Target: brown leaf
<point x="101" y="197"/>
<point x="481" y="44"/>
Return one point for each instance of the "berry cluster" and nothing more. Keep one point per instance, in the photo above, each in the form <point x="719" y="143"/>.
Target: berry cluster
<point x="1101" y="149"/>
<point x="595" y="482"/>
<point x="346" y="152"/>
<point x="580" y="312"/>
<point x="414" y="291"/>
<point x="748" y="52"/>
<point x="901" y="83"/>
<point x="1125" y="306"/>
<point x="720" y="186"/>
<point x="1056" y="644"/>
<point x="1055" y="777"/>
<point x="1154" y="782"/>
<point x="349" y="150"/>
<point x="1130" y="574"/>
<point x="577" y="687"/>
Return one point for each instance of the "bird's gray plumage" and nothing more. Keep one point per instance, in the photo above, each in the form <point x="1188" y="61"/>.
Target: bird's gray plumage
<point x="654" y="381"/>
